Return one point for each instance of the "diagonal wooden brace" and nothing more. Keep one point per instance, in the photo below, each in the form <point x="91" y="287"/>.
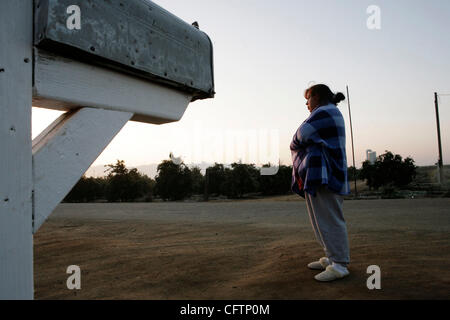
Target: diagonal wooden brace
<point x="65" y="150"/>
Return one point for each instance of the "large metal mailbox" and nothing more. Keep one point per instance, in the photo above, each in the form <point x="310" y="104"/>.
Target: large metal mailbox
<point x="134" y="36"/>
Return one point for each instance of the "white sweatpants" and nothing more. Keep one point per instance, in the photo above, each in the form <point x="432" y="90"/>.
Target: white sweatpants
<point x="327" y="220"/>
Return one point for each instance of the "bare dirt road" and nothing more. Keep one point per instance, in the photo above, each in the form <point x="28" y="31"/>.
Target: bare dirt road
<point x="240" y="250"/>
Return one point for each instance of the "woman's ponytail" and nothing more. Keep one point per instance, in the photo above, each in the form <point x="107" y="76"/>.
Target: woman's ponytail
<point x="338" y="97"/>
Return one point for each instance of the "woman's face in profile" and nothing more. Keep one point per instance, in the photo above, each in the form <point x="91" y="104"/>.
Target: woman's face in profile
<point x="311" y="101"/>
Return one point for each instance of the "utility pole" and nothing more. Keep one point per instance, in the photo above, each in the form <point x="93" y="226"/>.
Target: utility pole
<point x="351" y="131"/>
<point x="440" y="163"/>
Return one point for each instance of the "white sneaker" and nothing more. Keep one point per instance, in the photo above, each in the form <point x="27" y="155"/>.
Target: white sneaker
<point x="331" y="274"/>
<point x="319" y="265"/>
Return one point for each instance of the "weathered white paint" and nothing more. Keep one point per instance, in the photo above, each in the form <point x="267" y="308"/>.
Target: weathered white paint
<point x="35" y="177"/>
<point x="16" y="240"/>
<point x="63" y="84"/>
<point x="64" y="151"/>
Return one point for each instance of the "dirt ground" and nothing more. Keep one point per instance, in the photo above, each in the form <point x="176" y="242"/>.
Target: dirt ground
<point x="255" y="249"/>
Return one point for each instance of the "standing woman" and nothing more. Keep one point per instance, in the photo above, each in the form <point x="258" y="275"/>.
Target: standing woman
<point x="320" y="176"/>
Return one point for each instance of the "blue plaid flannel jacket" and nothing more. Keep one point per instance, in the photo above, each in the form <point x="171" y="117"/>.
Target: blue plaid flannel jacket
<point x="318" y="153"/>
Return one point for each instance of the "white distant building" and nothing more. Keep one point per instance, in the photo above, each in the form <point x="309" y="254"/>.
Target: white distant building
<point x="371" y="156"/>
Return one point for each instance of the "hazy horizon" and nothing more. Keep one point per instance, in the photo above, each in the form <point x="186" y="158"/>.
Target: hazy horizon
<point x="150" y="169"/>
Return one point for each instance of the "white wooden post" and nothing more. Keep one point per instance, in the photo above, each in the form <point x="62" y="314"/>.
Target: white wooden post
<point x="16" y="240"/>
<point x="64" y="151"/>
<point x="36" y="176"/>
<point x="62" y="83"/>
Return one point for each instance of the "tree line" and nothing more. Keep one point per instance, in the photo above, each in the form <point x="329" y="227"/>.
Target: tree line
<point x="177" y="181"/>
<point x="389" y="171"/>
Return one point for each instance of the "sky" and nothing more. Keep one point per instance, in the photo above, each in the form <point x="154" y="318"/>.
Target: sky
<point x="266" y="53"/>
